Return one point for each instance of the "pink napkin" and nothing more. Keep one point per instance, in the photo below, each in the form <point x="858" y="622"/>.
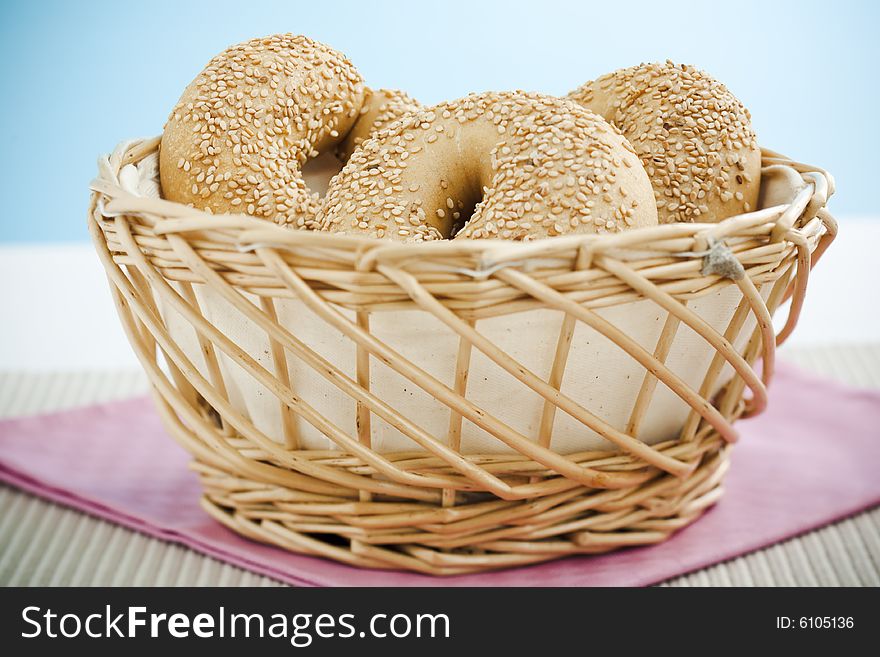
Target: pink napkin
<point x="812" y="458"/>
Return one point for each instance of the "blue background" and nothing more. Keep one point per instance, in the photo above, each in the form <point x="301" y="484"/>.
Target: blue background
<point x="79" y="77"/>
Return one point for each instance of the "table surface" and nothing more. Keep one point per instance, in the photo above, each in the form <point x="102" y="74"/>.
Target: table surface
<point x="63" y="348"/>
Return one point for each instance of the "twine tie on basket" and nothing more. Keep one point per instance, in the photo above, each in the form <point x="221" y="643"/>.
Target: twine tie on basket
<point x="720" y="260"/>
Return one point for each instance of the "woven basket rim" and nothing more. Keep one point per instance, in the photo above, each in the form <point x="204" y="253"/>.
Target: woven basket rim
<point x="488" y="253"/>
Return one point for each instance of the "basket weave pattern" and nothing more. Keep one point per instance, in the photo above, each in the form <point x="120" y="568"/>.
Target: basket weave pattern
<point x="434" y="508"/>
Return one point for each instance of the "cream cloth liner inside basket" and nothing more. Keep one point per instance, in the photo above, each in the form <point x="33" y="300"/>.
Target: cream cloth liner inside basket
<point x="598" y="375"/>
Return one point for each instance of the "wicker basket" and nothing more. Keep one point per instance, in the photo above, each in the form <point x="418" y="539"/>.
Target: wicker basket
<point x="454" y="407"/>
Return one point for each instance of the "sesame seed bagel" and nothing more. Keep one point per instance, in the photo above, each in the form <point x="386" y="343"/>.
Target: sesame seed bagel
<point x="509" y="165"/>
<point x="693" y="136"/>
<point x="381" y="108"/>
<point x="241" y="131"/>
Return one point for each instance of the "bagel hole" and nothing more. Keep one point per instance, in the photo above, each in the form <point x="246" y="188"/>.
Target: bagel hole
<point x="319" y="171"/>
<point x="466" y="213"/>
<point x="470" y="195"/>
